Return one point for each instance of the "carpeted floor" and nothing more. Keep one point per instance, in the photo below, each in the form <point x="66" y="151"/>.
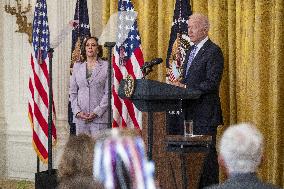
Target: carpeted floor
<point x="16" y="184"/>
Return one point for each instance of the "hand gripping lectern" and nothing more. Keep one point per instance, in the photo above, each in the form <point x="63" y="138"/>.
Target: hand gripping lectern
<point x="154" y="96"/>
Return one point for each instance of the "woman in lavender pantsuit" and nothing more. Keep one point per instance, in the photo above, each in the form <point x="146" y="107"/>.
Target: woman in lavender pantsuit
<point x="89" y="90"/>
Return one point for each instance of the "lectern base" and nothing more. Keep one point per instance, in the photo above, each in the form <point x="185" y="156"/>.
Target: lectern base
<point x="45" y="181"/>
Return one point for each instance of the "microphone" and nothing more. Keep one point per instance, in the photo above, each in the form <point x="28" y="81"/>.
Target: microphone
<point x="150" y="64"/>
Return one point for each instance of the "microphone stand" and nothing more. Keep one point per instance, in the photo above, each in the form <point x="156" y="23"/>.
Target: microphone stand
<point x="48" y="179"/>
<point x="109" y="46"/>
<point x="146" y="71"/>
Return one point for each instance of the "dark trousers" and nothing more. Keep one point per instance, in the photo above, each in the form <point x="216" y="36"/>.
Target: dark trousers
<point x="210" y="171"/>
<point x="70" y="120"/>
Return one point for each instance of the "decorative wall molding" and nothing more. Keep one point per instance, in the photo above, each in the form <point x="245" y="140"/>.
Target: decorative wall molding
<point x="62" y="59"/>
<point x="21" y="12"/>
<point x="96" y="12"/>
<point x="3" y="146"/>
<point x="19" y="159"/>
<point x="22" y="158"/>
<point x="2" y="46"/>
<point x="3" y="149"/>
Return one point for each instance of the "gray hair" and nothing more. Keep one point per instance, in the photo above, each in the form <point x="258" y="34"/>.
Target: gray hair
<point x="241" y="147"/>
<point x="201" y="19"/>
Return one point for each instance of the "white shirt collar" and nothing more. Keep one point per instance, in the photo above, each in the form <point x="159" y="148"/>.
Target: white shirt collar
<point x="201" y="43"/>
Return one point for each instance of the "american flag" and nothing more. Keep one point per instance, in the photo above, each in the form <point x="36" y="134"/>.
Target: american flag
<point x="82" y="15"/>
<point x="38" y="83"/>
<point x="178" y="44"/>
<point x="127" y="60"/>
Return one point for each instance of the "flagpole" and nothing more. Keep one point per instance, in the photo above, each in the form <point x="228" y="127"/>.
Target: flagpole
<point x="37" y="164"/>
<point x="109" y="46"/>
<point x="50" y="100"/>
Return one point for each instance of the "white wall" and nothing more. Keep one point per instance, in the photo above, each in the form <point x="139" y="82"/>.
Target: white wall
<point x="17" y="157"/>
<point x="2" y="110"/>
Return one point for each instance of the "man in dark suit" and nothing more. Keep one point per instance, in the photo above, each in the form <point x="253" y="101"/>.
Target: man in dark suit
<point x="241" y="148"/>
<point x="203" y="71"/>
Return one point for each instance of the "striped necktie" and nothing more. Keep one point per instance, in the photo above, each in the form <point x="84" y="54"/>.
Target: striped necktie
<point x="191" y="57"/>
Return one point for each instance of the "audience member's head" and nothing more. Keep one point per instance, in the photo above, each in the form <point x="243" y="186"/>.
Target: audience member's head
<point x="77" y="158"/>
<point x="241" y="148"/>
<point x="120" y="161"/>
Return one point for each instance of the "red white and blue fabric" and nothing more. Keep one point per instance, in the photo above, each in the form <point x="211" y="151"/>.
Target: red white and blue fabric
<point x="127" y="60"/>
<point x="117" y="158"/>
<point x="38" y="83"/>
<point x="179" y="28"/>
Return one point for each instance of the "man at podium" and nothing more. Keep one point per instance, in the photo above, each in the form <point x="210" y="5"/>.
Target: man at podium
<point x="203" y="69"/>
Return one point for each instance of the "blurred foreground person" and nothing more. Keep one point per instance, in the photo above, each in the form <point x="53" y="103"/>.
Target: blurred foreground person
<point x="76" y="164"/>
<point x="241" y="149"/>
<point x="80" y="182"/>
<point x="120" y="162"/>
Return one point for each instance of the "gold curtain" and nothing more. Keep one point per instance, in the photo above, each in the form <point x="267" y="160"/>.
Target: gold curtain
<point x="251" y="35"/>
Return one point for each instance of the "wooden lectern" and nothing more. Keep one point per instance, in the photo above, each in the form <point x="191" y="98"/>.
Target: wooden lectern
<point x="154" y="96"/>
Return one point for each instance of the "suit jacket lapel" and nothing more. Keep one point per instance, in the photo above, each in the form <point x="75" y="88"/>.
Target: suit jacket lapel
<point x="201" y="51"/>
<point x="199" y="54"/>
<point x="84" y="72"/>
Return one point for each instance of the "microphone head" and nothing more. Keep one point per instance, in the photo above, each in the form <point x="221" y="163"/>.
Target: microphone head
<point x="157" y="60"/>
<point x="151" y="64"/>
